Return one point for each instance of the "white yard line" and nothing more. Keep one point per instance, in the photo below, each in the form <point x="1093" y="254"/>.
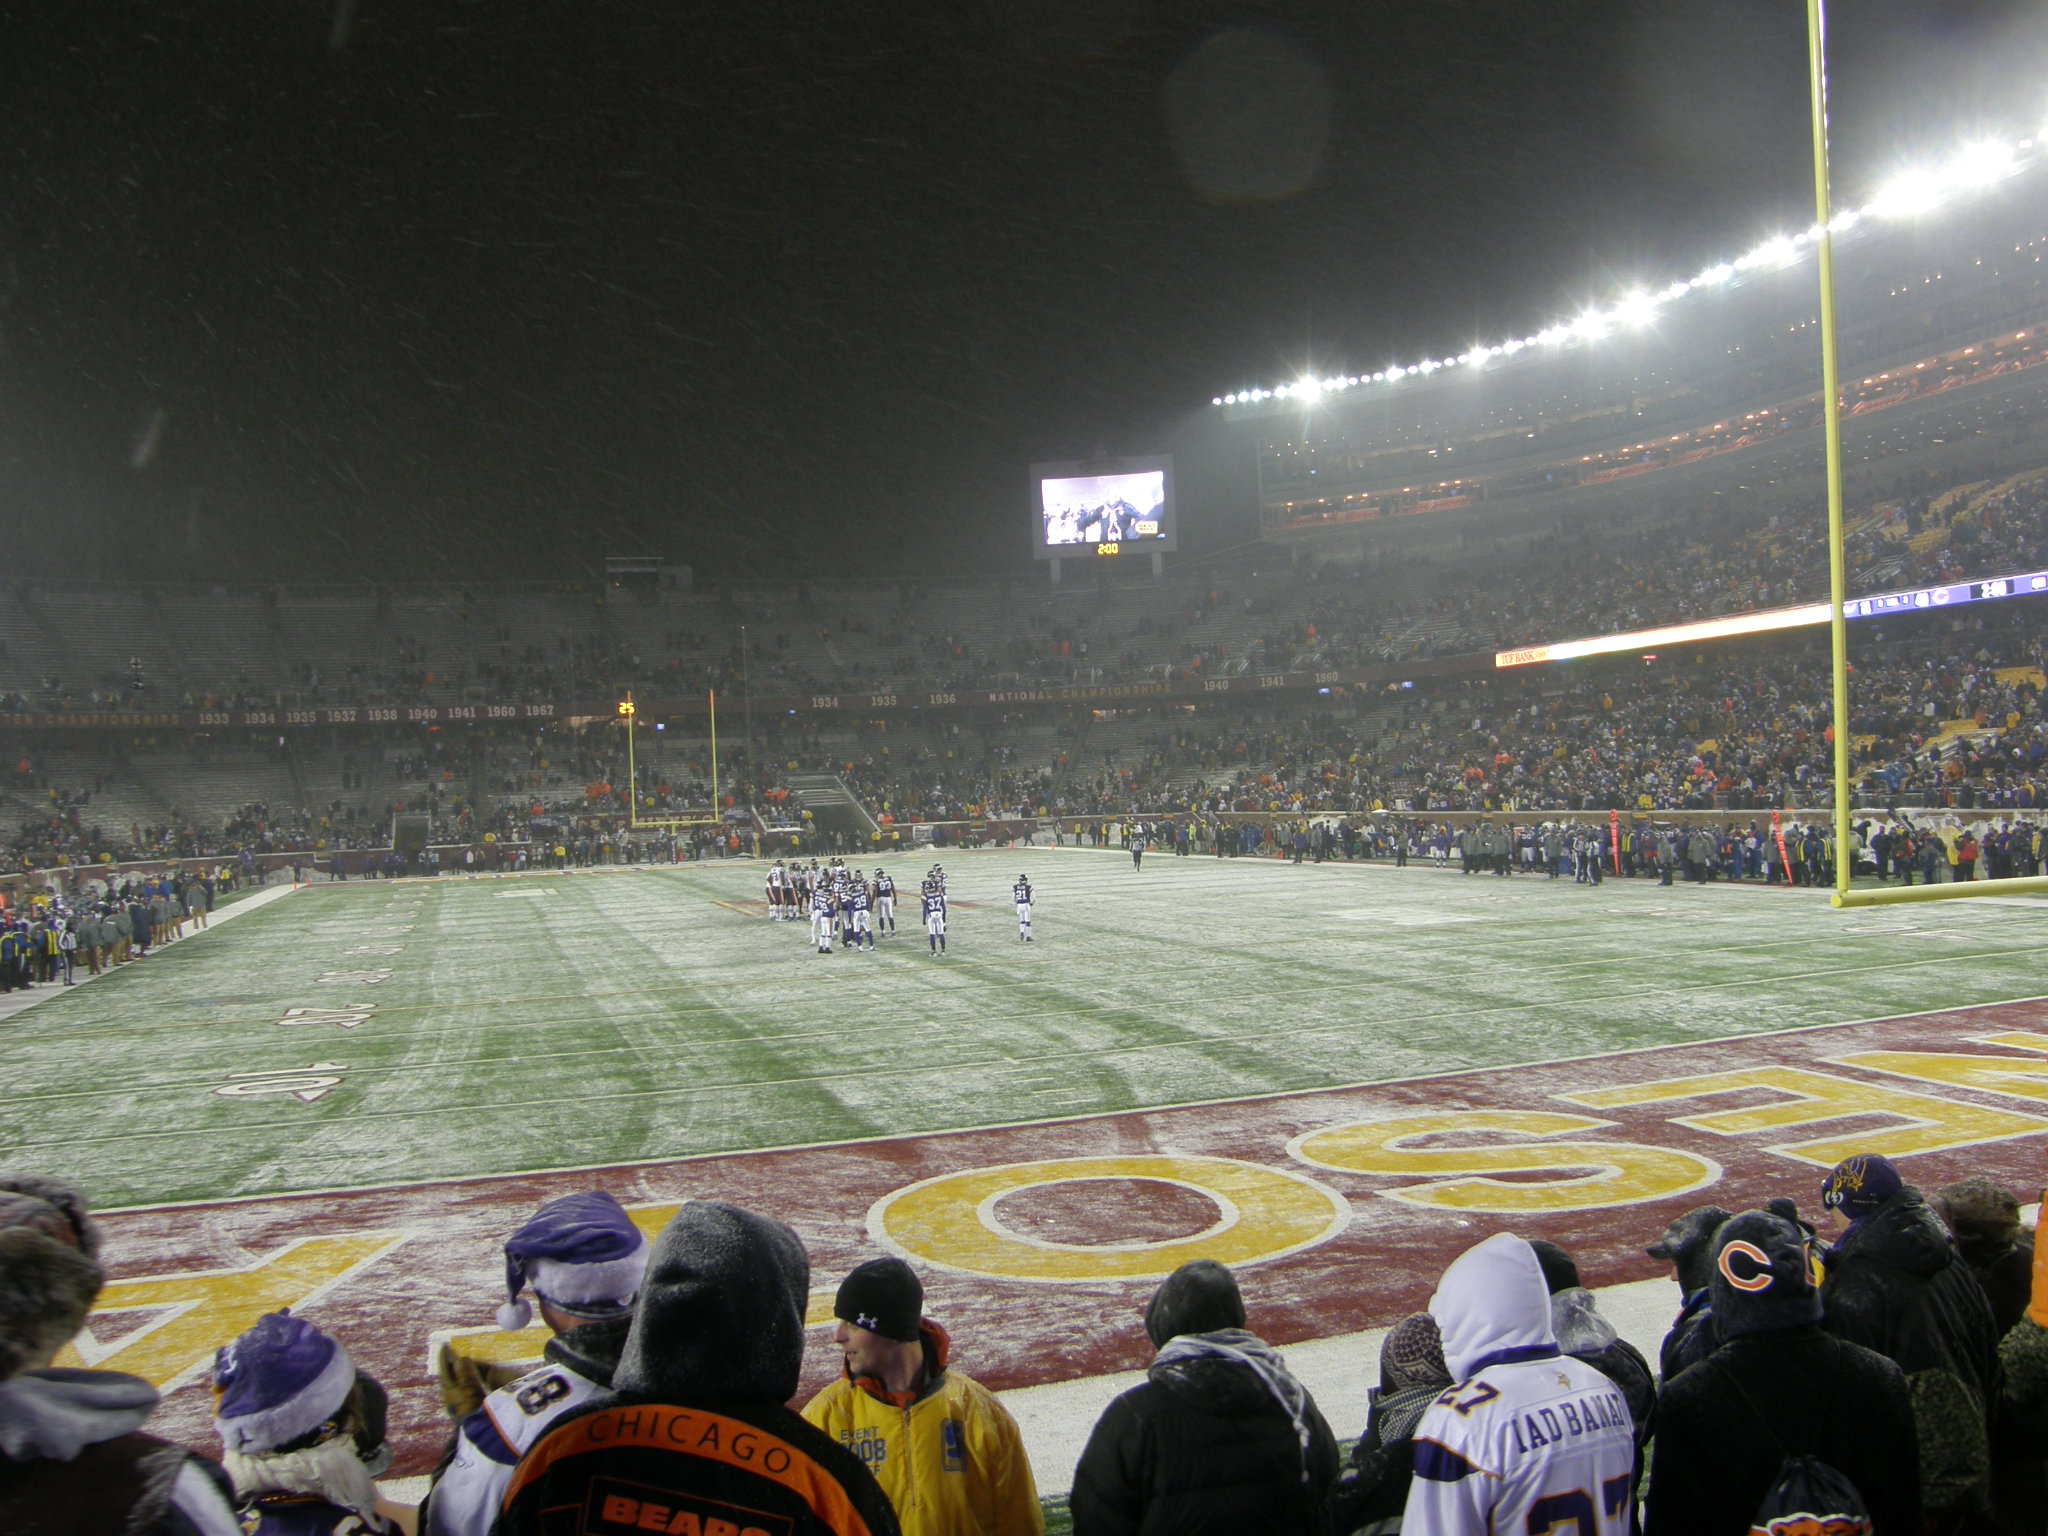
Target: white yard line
<point x="12" y="1003"/>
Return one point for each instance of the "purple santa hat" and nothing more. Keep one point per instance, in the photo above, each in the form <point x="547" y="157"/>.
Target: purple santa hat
<point x="581" y="1253"/>
<point x="278" y="1383"/>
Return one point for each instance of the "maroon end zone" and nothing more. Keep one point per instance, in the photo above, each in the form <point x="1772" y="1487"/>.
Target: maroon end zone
<point x="1734" y="1122"/>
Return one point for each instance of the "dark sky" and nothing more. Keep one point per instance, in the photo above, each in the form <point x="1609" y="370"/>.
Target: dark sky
<point x="420" y="288"/>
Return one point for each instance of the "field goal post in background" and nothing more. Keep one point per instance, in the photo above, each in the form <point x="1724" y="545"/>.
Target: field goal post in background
<point x="629" y="717"/>
<point x="1838" y="627"/>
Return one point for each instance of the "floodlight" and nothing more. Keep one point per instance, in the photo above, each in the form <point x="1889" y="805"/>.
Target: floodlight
<point x="1983" y="162"/>
<point x="1635" y="309"/>
<point x="1907" y="194"/>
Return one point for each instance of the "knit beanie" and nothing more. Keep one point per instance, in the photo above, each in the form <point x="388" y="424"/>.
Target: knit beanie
<point x="1764" y="1276"/>
<point x="1859" y="1185"/>
<point x="883" y="1296"/>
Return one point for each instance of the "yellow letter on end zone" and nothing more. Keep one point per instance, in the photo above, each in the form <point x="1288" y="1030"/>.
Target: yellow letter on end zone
<point x="1920" y="1122"/>
<point x="203" y="1311"/>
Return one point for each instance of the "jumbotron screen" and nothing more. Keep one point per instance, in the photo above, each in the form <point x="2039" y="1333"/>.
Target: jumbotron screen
<point x="1094" y="510"/>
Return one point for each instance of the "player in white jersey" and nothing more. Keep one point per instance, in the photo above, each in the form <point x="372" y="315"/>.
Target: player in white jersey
<point x="1529" y="1439"/>
<point x="935" y="916"/>
<point x="1021" y="894"/>
<point x="821" y="919"/>
<point x="778" y="892"/>
<point x="885" y="902"/>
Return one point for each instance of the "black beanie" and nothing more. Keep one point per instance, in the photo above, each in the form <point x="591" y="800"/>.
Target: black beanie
<point x="883" y="1296"/>
<point x="1199" y="1297"/>
<point x="1559" y="1272"/>
<point x="1763" y="1279"/>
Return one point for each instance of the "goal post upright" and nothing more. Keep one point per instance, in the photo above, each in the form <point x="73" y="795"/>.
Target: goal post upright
<point x="1831" y="420"/>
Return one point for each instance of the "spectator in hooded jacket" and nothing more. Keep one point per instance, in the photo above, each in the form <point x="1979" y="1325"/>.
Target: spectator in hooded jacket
<point x="72" y="1455"/>
<point x="1219" y="1437"/>
<point x="698" y="1428"/>
<point x="1777" y="1386"/>
<point x="1529" y="1438"/>
<point x="1896" y="1284"/>
<point x="1373" y="1491"/>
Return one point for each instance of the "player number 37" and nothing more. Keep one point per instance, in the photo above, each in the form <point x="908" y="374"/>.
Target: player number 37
<point x="1557" y="1513"/>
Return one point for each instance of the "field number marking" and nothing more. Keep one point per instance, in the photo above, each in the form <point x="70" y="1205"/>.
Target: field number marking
<point x="305" y="1084"/>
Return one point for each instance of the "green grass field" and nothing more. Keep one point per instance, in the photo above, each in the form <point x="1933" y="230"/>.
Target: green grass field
<point x="576" y="1019"/>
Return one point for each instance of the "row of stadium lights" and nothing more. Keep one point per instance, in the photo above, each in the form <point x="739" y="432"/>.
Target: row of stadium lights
<point x="1907" y="195"/>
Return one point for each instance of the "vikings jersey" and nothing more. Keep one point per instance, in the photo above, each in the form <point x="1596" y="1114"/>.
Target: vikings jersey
<point x="1530" y="1445"/>
<point x="934" y="903"/>
<point x="1021" y="893"/>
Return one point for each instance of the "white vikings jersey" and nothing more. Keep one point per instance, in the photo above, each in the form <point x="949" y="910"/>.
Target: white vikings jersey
<point x="491" y="1441"/>
<point x="1535" y="1445"/>
<point x="1530" y="1440"/>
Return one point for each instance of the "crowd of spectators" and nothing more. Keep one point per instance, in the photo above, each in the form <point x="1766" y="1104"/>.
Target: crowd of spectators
<point x="1889" y="1358"/>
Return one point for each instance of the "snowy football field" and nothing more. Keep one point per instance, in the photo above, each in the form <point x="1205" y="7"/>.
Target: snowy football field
<point x="369" y="1034"/>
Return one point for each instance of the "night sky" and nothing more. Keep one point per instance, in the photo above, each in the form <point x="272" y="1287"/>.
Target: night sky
<point x="421" y="290"/>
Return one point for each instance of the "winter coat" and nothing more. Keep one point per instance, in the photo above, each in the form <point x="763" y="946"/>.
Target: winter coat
<point x="2019" y="1447"/>
<point x="1218" y="1438"/>
<point x="1726" y="1424"/>
<point x="699" y="1423"/>
<point x="1371" y="1494"/>
<point x="1896" y="1284"/>
<point x="951" y="1460"/>
<point x="1526" y="1421"/>
<point x="72" y="1463"/>
<point x="1585" y="1335"/>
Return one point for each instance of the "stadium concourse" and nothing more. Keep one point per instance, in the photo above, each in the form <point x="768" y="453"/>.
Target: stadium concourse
<point x="1333" y="1078"/>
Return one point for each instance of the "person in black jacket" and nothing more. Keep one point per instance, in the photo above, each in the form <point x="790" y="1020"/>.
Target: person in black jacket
<point x="1585" y="1335"/>
<point x="698" y="1434"/>
<point x="1896" y="1284"/>
<point x="1985" y="1218"/>
<point x="1777" y="1386"/>
<point x="1688" y="1247"/>
<point x="1372" y="1493"/>
<point x="1219" y="1438"/>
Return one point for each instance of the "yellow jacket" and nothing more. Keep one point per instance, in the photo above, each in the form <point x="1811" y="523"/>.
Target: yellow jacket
<point x="951" y="1459"/>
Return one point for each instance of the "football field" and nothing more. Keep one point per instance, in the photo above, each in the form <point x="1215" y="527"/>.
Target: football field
<point x="369" y="1034"/>
<point x="1335" y="1078"/>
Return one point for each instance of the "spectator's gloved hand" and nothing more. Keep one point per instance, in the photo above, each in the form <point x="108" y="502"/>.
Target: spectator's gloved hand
<point x="1687" y="1244"/>
<point x="465" y="1382"/>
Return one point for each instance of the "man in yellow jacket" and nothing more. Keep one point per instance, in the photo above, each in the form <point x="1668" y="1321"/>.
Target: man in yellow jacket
<point x="943" y="1448"/>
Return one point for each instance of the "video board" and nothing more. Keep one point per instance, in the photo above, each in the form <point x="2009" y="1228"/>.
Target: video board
<point x="1093" y="510"/>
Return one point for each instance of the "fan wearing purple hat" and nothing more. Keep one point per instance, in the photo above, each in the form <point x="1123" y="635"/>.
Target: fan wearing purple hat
<point x="584" y="1259"/>
<point x="1896" y="1284"/>
<point x="301" y="1432"/>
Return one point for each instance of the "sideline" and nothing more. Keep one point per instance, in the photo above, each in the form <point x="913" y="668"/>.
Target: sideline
<point x="12" y="1003"/>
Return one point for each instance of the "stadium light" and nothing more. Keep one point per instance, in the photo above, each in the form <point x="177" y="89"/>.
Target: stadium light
<point x="1911" y="193"/>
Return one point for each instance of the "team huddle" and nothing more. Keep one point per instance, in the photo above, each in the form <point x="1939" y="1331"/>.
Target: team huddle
<point x="855" y="908"/>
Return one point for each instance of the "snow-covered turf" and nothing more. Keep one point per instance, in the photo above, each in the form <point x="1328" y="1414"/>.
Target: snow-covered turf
<point x="573" y="1019"/>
